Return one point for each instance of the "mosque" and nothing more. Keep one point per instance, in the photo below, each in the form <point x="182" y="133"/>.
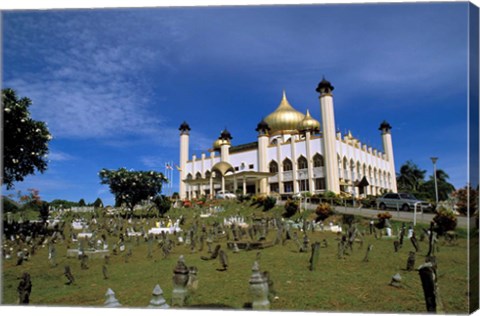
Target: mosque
<point x="293" y="153"/>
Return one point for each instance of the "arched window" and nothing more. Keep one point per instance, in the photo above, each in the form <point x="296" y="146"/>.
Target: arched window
<point x="318" y="161"/>
<point x="189" y="176"/>
<point x="287" y="165"/>
<point x="273" y="166"/>
<point x="345" y="163"/>
<point x="208" y="174"/>
<point x="198" y="175"/>
<point x="302" y="162"/>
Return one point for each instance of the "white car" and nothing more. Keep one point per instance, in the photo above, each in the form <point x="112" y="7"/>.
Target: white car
<point x="225" y="195"/>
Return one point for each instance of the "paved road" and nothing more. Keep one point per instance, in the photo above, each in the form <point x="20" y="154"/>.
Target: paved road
<point x="426" y="218"/>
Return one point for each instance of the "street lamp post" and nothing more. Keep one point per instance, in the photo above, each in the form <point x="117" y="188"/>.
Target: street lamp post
<point x="434" y="160"/>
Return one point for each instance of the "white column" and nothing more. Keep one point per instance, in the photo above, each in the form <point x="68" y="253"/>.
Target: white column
<point x="309" y="161"/>
<point x="388" y="149"/>
<point x="329" y="141"/>
<point x="202" y="186"/>
<point x="262" y="161"/>
<point x="224" y="153"/>
<point x="280" y="168"/>
<point x="294" y="165"/>
<point x="244" y="186"/>
<point x="184" y="139"/>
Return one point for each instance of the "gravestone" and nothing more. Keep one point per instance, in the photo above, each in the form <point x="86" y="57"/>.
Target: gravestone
<point x="105" y="272"/>
<point x="24" y="289"/>
<point x="52" y="254"/>
<point x="411" y="261"/>
<point x="258" y="289"/>
<point x="428" y="278"/>
<point x="305" y="244"/>
<point x="314" y="256"/>
<point x="369" y="249"/>
<point x="180" y="280"/>
<point x="272" y="294"/>
<point x="324" y="243"/>
<point x="396" y="245"/>
<point x="149" y="246"/>
<point x="402" y="233"/>
<point x="415" y="244"/>
<point x="111" y="300"/>
<point x="235" y="248"/>
<point x="68" y="274"/>
<point x="223" y="260"/>
<point x="192" y="284"/>
<point x="214" y="255"/>
<point x="84" y="262"/>
<point x="157" y="300"/>
<point x="396" y="280"/>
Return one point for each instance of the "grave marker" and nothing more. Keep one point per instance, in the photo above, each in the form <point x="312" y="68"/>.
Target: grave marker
<point x="411" y="261"/>
<point x="314" y="256"/>
<point x="24" y="289"/>
<point x="157" y="300"/>
<point x="111" y="300"/>
<point x="180" y="280"/>
<point x="258" y="289"/>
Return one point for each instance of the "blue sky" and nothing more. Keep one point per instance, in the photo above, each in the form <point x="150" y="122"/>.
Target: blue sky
<point x="115" y="84"/>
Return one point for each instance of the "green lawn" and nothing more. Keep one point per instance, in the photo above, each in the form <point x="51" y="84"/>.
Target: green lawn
<point x="346" y="285"/>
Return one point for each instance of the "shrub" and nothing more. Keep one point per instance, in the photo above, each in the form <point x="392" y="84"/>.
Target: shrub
<point x="291" y="207"/>
<point x="445" y="219"/>
<point x="348" y="219"/>
<point x="268" y="203"/>
<point x="382" y="219"/>
<point x="323" y="211"/>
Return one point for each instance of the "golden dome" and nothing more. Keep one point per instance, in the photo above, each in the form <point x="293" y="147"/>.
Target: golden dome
<point x="309" y="123"/>
<point x="284" y="119"/>
<point x="219" y="142"/>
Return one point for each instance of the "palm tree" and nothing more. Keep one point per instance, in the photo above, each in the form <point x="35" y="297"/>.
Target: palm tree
<point x="410" y="177"/>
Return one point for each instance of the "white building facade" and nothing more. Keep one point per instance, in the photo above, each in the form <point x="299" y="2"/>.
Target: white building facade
<point x="293" y="153"/>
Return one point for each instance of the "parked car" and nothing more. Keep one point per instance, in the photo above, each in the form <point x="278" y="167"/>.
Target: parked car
<point x="402" y="201"/>
<point x="225" y="195"/>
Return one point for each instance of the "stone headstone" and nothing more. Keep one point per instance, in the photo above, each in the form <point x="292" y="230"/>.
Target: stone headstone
<point x="314" y="256"/>
<point x="411" y="261"/>
<point x="415" y="244"/>
<point x="369" y="249"/>
<point x="192" y="284"/>
<point x="223" y="260"/>
<point x="158" y="301"/>
<point x="24" y="289"/>
<point x="259" y="289"/>
<point x="68" y="274"/>
<point x="396" y="280"/>
<point x="396" y="245"/>
<point x="105" y="272"/>
<point x="428" y="278"/>
<point x="111" y="300"/>
<point x="180" y="280"/>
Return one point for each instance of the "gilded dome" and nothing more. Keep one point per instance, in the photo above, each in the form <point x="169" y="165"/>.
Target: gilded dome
<point x="219" y="142"/>
<point x="309" y="123"/>
<point x="284" y="119"/>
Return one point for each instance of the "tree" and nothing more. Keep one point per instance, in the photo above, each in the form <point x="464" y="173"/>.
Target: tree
<point x="132" y="187"/>
<point x="467" y="200"/>
<point x="98" y="203"/>
<point x="410" y="177"/>
<point x="162" y="203"/>
<point x="443" y="186"/>
<point x="81" y="203"/>
<point x="25" y="140"/>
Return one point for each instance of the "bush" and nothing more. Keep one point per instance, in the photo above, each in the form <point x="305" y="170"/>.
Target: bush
<point x="323" y="211"/>
<point x="269" y="203"/>
<point x="348" y="219"/>
<point x="382" y="219"/>
<point x="291" y="208"/>
<point x="445" y="219"/>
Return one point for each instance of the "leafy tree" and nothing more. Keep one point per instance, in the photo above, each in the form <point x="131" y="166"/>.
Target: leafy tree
<point x="63" y="203"/>
<point x="25" y="140"/>
<point x="9" y="205"/>
<point x="81" y="203"/>
<point x="132" y="187"/>
<point x="98" y="203"/>
<point x="443" y="186"/>
<point x="410" y="177"/>
<point x="163" y="204"/>
<point x="467" y="199"/>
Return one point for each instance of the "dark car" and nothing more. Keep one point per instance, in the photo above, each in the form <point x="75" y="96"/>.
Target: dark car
<point x="402" y="201"/>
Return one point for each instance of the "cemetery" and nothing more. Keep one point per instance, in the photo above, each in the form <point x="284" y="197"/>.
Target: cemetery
<point x="234" y="255"/>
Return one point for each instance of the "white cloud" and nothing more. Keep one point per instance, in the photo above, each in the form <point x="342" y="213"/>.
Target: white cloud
<point x="59" y="156"/>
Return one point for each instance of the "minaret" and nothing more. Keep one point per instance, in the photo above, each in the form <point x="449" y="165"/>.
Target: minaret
<point x="225" y="136"/>
<point x="262" y="129"/>
<point x="329" y="136"/>
<point x="388" y="149"/>
<point x="184" y="139"/>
